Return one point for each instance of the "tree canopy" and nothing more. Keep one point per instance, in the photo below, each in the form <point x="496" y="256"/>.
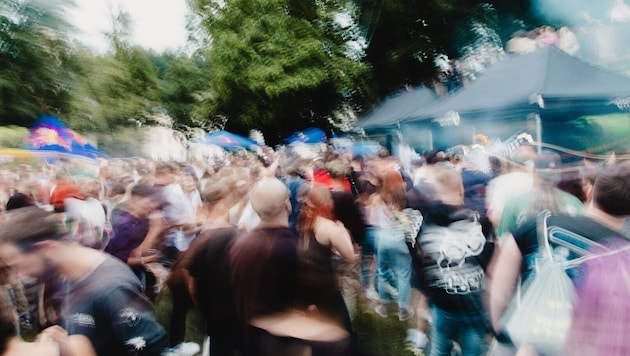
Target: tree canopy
<point x="274" y="65"/>
<point x="36" y="66"/>
<point x="278" y="65"/>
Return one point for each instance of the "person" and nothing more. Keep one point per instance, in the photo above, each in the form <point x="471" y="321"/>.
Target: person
<point x="543" y="196"/>
<point x="178" y="210"/>
<point x="599" y="319"/>
<point x="393" y="259"/>
<point x="51" y="342"/>
<point x="518" y="180"/>
<point x="294" y="173"/>
<point x="344" y="207"/>
<point x="450" y="258"/>
<point x="89" y="213"/>
<point x="84" y="215"/>
<point x="18" y="200"/>
<point x="263" y="263"/>
<point x="103" y="299"/>
<point x="603" y="218"/>
<point x="319" y="236"/>
<point x="203" y="272"/>
<point x="138" y="231"/>
<point x="365" y="202"/>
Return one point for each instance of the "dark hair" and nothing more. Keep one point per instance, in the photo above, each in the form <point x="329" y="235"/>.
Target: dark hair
<point x="19" y="200"/>
<point x="611" y="192"/>
<point x="145" y="191"/>
<point x="29" y="225"/>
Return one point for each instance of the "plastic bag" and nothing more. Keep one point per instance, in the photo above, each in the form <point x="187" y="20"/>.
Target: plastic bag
<point x="543" y="316"/>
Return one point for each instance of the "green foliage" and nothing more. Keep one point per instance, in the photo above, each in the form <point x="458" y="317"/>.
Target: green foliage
<point x="277" y="65"/>
<point x="274" y="65"/>
<point x="36" y="66"/>
<point x="122" y="142"/>
<point x="404" y="37"/>
<point x="114" y="90"/>
<point x="182" y="82"/>
<point x="12" y="136"/>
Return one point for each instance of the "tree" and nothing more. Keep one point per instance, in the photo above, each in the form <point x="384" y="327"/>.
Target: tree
<point x="405" y="36"/>
<point x="117" y="89"/>
<point x="36" y="65"/>
<point x="278" y="65"/>
<point x="183" y="82"/>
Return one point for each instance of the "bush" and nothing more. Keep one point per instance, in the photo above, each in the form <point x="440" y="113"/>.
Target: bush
<point x="13" y="136"/>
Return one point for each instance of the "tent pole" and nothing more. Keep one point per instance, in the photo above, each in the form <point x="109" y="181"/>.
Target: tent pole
<point x="538" y="133"/>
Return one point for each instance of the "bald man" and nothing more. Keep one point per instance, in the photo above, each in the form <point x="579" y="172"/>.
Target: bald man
<point x="264" y="264"/>
<point x="269" y="199"/>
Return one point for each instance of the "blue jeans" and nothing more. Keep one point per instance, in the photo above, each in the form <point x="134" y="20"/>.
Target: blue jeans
<point x="468" y="329"/>
<point x="368" y="253"/>
<point x="393" y="262"/>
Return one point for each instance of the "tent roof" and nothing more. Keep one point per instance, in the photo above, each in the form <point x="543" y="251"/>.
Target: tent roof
<point x="50" y="135"/>
<point x="513" y="87"/>
<point x="398" y="106"/>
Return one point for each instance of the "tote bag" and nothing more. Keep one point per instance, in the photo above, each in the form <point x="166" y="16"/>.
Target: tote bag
<point x="541" y="316"/>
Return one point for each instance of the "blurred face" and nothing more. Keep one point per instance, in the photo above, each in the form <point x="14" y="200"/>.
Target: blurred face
<point x="188" y="184"/>
<point x="26" y="264"/>
<point x="145" y="206"/>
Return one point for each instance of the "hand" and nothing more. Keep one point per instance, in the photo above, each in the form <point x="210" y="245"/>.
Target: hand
<point x="150" y="256"/>
<point x="158" y="222"/>
<point x="53" y="333"/>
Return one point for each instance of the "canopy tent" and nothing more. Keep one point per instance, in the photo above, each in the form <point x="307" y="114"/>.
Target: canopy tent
<point x="310" y="135"/>
<point x="547" y="94"/>
<point x="226" y="140"/>
<point x="49" y="135"/>
<point x="542" y="82"/>
<point x="397" y="107"/>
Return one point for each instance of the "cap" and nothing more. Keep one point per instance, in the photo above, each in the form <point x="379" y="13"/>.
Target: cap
<point x="64" y="190"/>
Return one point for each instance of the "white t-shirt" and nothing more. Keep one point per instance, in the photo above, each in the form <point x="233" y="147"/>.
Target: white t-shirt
<point x="90" y="213"/>
<point x="503" y="188"/>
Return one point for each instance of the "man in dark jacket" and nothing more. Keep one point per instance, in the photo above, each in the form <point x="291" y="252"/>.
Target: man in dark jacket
<point x="103" y="299"/>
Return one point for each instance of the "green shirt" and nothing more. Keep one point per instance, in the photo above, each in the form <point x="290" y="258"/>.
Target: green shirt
<point x="515" y="210"/>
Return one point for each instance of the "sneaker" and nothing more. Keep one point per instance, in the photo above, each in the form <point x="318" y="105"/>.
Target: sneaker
<point x="405" y="314"/>
<point x="372" y="295"/>
<point x="183" y="349"/>
<point x="416" y="339"/>
<point x="381" y="310"/>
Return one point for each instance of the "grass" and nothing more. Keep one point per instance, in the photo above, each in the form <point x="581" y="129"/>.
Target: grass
<point x="377" y="336"/>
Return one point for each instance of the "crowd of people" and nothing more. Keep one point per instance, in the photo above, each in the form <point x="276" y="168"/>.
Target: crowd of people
<point x="279" y="253"/>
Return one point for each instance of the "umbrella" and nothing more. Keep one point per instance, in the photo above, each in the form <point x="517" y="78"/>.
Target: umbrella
<point x="51" y="136"/>
<point x="310" y="135"/>
<point x="226" y="140"/>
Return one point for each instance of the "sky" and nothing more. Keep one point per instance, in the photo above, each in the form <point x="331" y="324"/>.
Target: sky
<point x="156" y="24"/>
